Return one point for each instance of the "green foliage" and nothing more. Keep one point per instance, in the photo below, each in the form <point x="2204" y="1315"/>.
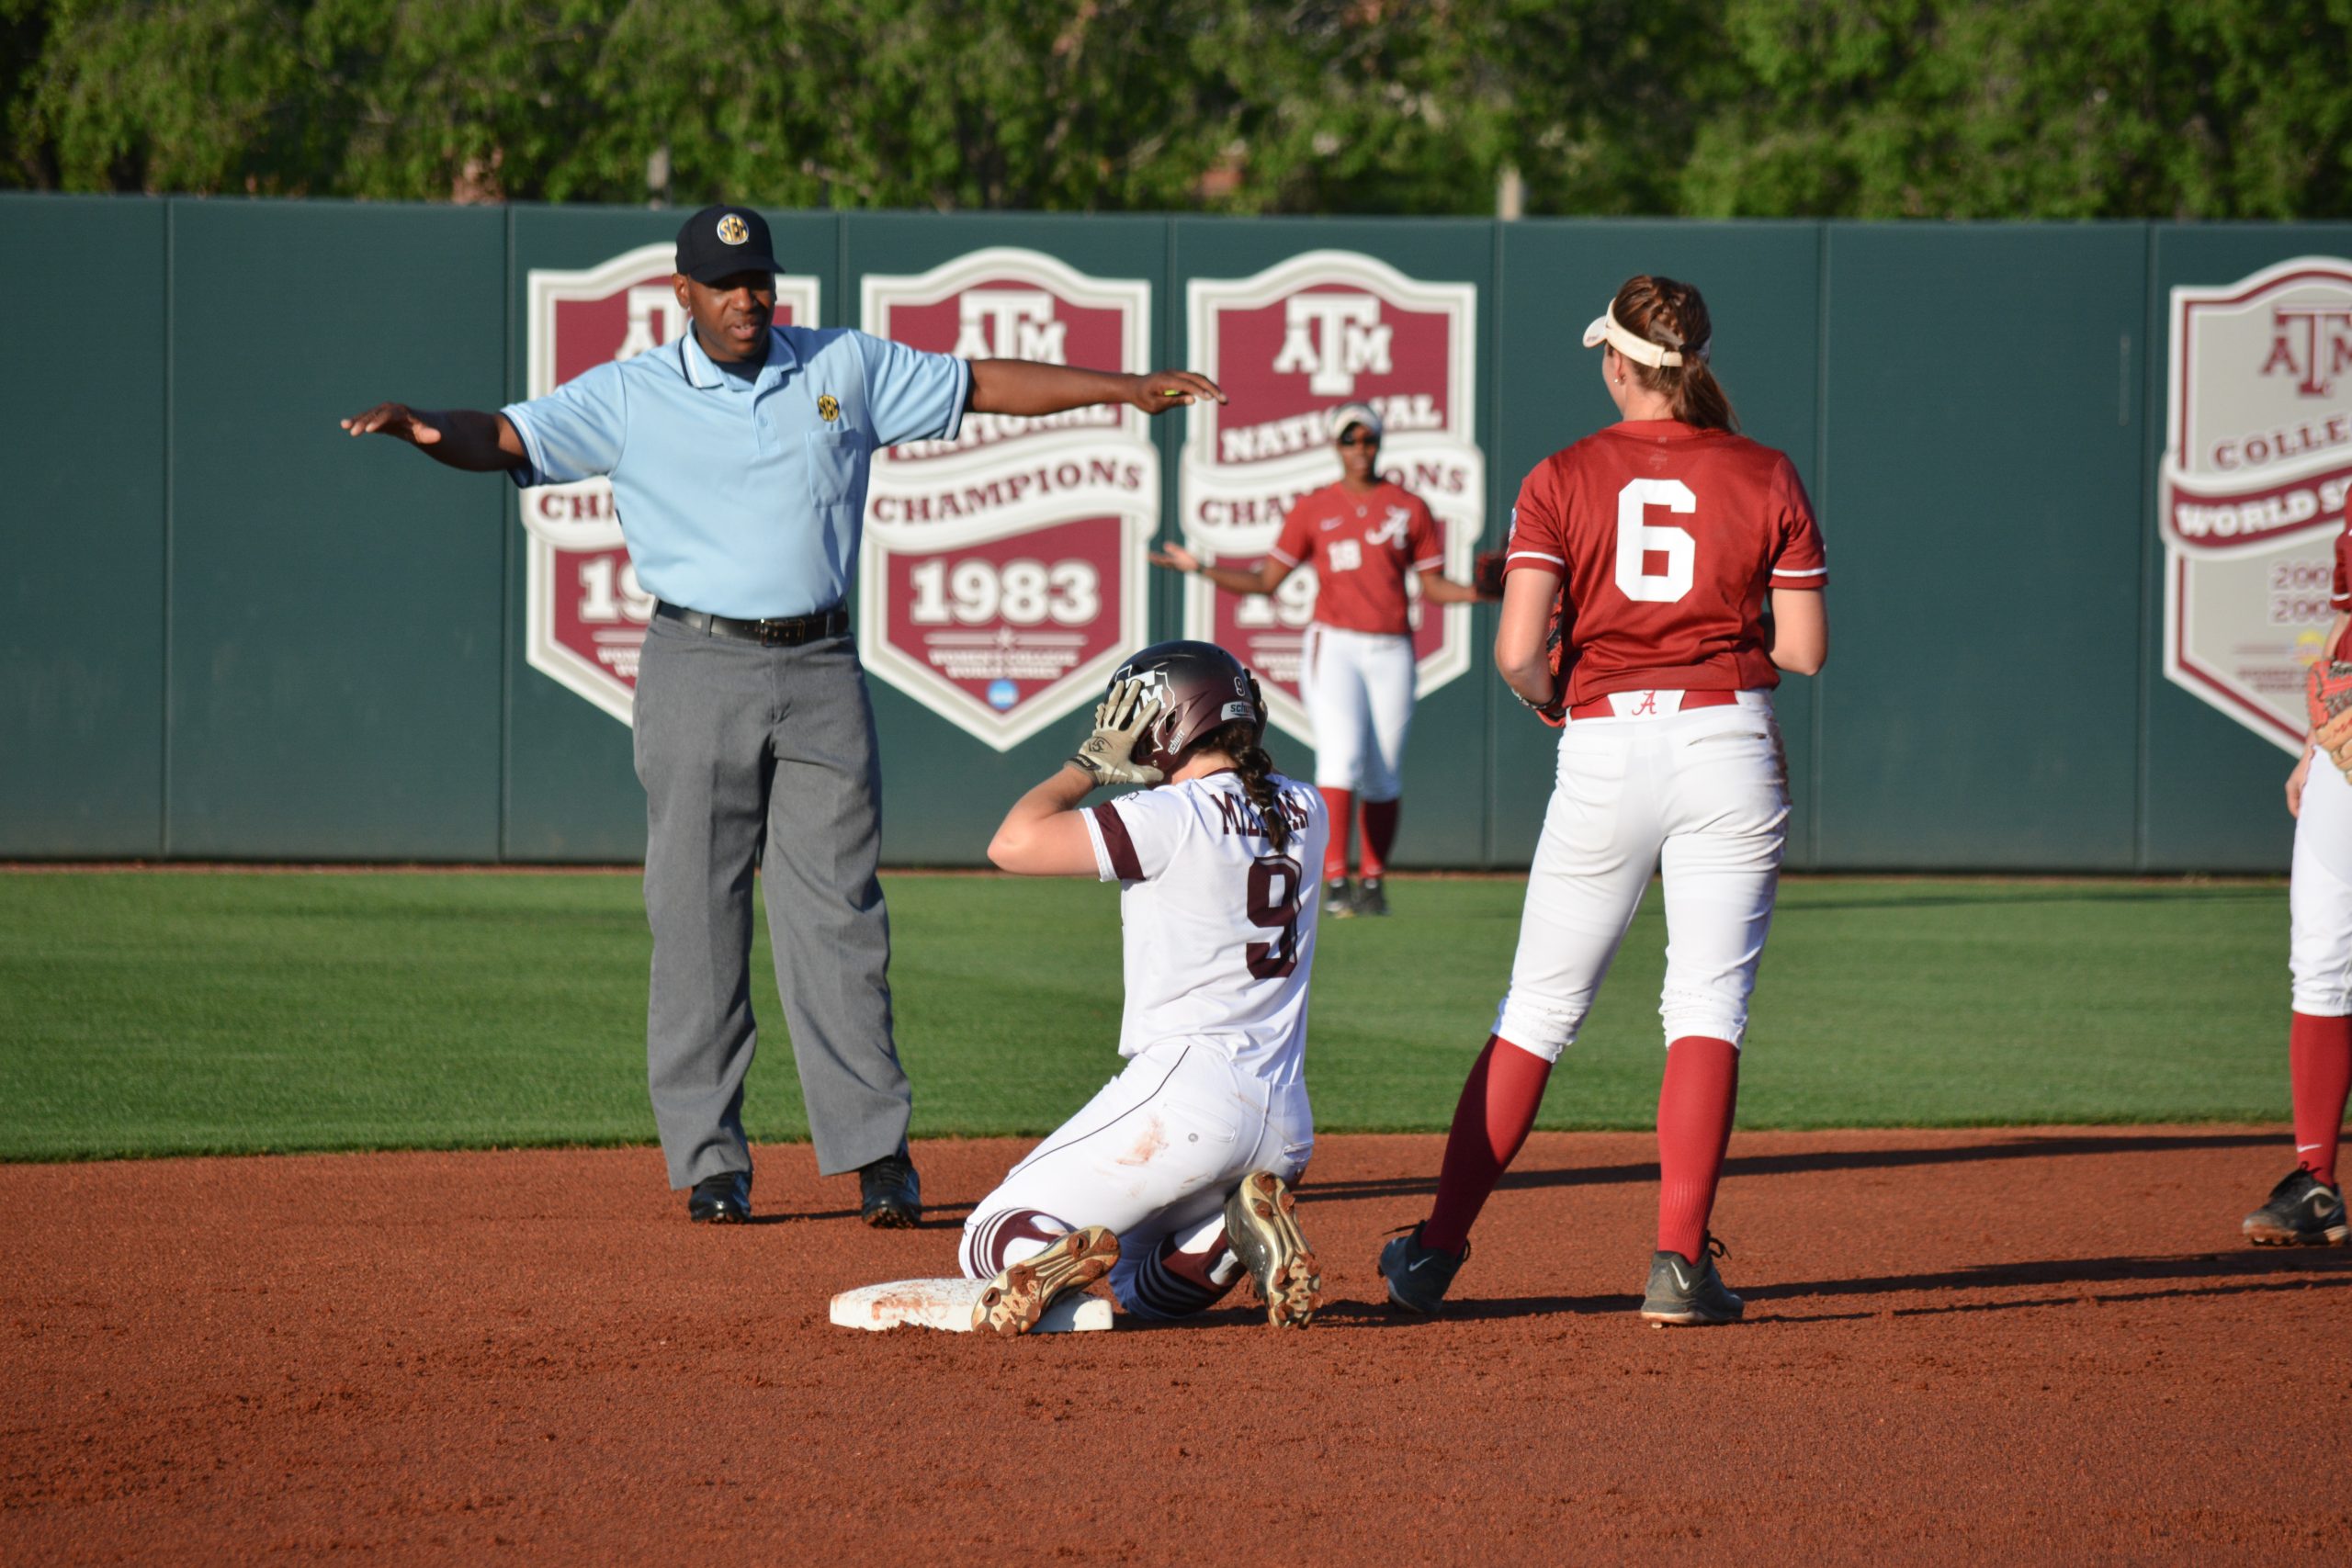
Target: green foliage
<point x="180" y="1013"/>
<point x="1968" y="108"/>
<point x="2052" y="109"/>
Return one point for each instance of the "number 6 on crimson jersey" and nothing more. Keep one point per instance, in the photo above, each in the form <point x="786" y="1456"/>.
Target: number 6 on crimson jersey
<point x="1638" y="539"/>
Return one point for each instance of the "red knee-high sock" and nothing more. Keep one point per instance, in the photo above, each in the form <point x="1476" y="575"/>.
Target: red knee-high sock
<point x="1341" y="803"/>
<point x="1379" y="832"/>
<point x="1498" y="1107"/>
<point x="1694" y="1109"/>
<point x="2319" y="1064"/>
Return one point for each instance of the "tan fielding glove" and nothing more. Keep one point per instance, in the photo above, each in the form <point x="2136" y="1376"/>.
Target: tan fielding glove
<point x="1120" y="720"/>
<point x="2328" y="691"/>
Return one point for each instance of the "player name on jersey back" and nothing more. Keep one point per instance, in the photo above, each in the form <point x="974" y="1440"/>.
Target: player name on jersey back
<point x="1218" y="923"/>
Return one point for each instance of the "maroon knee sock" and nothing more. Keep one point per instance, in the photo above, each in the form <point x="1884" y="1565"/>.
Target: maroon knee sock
<point x="1694" y="1112"/>
<point x="1339" y="805"/>
<point x="1496" y="1108"/>
<point x="1379" y="832"/>
<point x="2319" y="1064"/>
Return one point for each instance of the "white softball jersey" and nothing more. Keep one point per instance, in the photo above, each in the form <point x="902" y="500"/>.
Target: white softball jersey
<point x="1219" y="926"/>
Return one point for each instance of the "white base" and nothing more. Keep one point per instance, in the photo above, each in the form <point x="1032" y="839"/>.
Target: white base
<point x="948" y="1304"/>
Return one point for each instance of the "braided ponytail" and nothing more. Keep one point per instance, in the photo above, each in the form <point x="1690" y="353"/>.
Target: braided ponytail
<point x="1240" y="741"/>
<point x="1672" y="314"/>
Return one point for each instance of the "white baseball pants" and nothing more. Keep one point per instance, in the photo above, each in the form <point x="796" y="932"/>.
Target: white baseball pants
<point x="1154" y="1154"/>
<point x="1358" y="687"/>
<point x="2319" y="896"/>
<point x="1702" y="795"/>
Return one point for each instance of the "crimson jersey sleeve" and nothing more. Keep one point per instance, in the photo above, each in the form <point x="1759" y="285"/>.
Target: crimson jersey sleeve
<point x="1297" y="540"/>
<point x="1424" y="546"/>
<point x="1538" y="525"/>
<point x="1801" y="561"/>
<point x="1135" y="835"/>
<point x="2340" y="594"/>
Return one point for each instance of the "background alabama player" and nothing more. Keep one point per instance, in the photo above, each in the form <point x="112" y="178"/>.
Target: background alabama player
<point x="1657" y="541"/>
<point x="1180" y="1168"/>
<point x="1364" y="535"/>
<point x="2307" y="1206"/>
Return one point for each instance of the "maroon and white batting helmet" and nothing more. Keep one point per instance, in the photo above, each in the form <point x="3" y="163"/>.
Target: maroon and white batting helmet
<point x="1201" y="689"/>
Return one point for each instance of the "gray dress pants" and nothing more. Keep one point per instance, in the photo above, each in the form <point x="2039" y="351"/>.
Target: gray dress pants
<point x="763" y="754"/>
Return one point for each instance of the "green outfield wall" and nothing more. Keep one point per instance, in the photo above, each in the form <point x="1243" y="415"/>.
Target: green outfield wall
<point x="232" y="632"/>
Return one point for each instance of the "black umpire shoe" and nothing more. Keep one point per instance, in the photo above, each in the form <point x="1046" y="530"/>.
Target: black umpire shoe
<point x="721" y="1200"/>
<point x="889" y="1193"/>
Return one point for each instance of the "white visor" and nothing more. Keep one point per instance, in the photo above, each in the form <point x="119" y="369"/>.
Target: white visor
<point x="1640" y="350"/>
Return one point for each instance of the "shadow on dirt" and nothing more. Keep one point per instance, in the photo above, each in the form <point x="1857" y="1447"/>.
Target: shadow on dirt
<point x="2026" y="1146"/>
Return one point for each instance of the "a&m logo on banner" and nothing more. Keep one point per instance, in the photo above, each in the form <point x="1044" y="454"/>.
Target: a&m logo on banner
<point x="2257" y="465"/>
<point x="587" y="615"/>
<point x="1002" y="573"/>
<point x="1288" y="346"/>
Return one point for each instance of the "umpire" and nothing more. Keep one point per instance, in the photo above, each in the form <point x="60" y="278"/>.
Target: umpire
<point x="737" y="456"/>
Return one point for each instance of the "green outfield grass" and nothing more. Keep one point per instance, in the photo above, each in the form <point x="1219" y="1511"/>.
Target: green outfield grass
<point x="167" y="1013"/>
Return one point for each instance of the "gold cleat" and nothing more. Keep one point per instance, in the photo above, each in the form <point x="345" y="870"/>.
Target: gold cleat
<point x="1262" y="1226"/>
<point x="1019" y="1296"/>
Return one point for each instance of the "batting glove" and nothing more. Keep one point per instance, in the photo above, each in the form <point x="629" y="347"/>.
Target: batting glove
<point x="1120" y="720"/>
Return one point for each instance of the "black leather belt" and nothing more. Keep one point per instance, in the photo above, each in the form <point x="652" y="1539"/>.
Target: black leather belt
<point x="784" y="631"/>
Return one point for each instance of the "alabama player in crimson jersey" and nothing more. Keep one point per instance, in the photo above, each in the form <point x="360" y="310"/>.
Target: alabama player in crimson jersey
<point x="1658" y="541"/>
<point x="1175" y="1177"/>
<point x="2306" y="1209"/>
<point x="1364" y="535"/>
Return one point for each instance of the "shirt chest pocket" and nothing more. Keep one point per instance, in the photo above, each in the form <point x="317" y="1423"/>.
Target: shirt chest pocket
<point x="835" y="456"/>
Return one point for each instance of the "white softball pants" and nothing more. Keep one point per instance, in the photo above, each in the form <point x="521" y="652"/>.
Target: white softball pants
<point x="1703" y="797"/>
<point x="1358" y="688"/>
<point x="1154" y="1154"/>
<point x="2319" y="896"/>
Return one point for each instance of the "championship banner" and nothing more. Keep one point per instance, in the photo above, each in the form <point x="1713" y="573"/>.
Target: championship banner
<point x="1288" y="346"/>
<point x="585" y="615"/>
<point x="2258" y="464"/>
<point x="1003" y="574"/>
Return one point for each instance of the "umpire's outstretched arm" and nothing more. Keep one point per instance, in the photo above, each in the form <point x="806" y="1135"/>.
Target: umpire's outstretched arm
<point x="460" y="438"/>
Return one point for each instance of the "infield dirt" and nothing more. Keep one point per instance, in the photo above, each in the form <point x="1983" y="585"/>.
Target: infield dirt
<point x="2019" y="1345"/>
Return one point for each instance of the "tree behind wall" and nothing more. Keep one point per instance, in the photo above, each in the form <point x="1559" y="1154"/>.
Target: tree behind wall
<point x="2054" y="108"/>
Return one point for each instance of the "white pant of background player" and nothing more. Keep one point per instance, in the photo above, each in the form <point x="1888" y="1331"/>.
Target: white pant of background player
<point x="1358" y="688"/>
<point x="1701" y="795"/>
<point x="1153" y="1157"/>
<point x="2319" y="896"/>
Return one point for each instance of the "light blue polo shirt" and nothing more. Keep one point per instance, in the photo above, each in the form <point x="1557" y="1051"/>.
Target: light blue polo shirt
<point x="741" y="497"/>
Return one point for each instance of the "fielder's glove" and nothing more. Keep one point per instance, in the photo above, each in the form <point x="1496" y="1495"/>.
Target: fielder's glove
<point x="1556" y="712"/>
<point x="1486" y="574"/>
<point x="2328" y="691"/>
<point x="1120" y="720"/>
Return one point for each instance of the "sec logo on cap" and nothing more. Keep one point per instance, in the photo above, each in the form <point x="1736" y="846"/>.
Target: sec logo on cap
<point x="733" y="230"/>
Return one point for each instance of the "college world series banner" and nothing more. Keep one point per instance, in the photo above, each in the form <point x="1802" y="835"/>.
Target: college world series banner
<point x="1288" y="345"/>
<point x="585" y="614"/>
<point x="1002" y="576"/>
<point x="2256" y="468"/>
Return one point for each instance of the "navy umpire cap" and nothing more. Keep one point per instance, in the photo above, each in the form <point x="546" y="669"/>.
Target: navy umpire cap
<point x="720" y="242"/>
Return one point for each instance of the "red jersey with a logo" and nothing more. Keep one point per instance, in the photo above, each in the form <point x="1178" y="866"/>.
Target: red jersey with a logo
<point x="1361" y="547"/>
<point x="1667" y="537"/>
<point x="2340" y="591"/>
